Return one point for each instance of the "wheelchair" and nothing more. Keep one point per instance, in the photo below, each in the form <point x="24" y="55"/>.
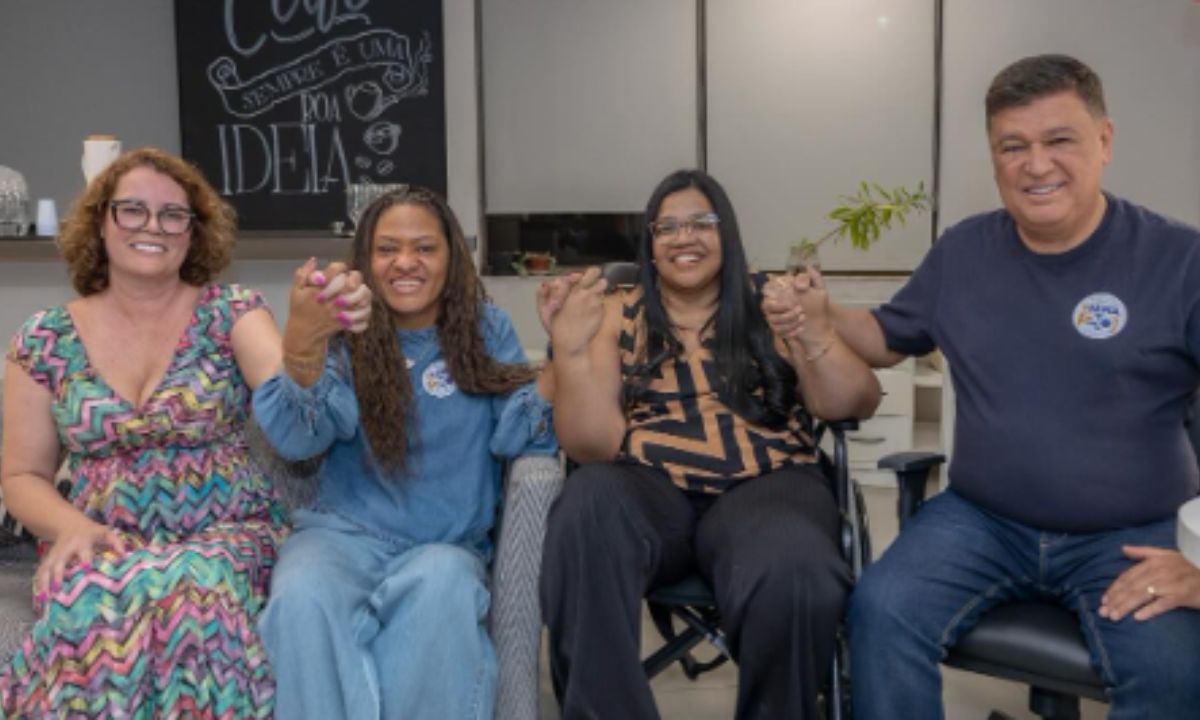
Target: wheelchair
<point x="685" y="613"/>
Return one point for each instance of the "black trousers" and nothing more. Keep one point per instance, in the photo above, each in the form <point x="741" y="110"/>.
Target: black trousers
<point x="768" y="547"/>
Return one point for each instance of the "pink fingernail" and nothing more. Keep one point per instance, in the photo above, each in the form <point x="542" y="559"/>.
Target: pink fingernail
<point x="317" y="278"/>
<point x="344" y="319"/>
<point x="340" y="301"/>
<point x="40" y="598"/>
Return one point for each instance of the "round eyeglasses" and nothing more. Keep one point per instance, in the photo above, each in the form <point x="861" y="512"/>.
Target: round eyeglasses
<point x="134" y="215"/>
<point x="670" y="227"/>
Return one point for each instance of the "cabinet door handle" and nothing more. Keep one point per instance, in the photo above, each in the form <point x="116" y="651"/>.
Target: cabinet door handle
<point x="866" y="439"/>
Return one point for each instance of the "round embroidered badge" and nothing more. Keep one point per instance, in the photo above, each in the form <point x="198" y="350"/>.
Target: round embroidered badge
<point x="437" y="381"/>
<point x="1100" y="316"/>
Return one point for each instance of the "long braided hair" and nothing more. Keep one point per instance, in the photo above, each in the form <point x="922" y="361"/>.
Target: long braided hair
<point x="381" y="381"/>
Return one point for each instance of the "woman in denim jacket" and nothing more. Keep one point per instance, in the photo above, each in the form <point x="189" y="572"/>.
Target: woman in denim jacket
<point x="379" y="600"/>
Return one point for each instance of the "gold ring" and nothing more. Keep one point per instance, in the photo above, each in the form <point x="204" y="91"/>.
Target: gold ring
<point x="1151" y="591"/>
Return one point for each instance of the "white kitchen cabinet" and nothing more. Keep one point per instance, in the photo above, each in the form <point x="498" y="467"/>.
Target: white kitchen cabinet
<point x="905" y="420"/>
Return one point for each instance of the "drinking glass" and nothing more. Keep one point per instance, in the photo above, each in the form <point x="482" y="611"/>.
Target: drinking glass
<point x="14" y="203"/>
<point x="361" y="195"/>
<point x="357" y="197"/>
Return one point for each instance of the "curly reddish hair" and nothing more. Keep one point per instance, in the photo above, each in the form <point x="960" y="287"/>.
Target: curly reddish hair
<point x="211" y="247"/>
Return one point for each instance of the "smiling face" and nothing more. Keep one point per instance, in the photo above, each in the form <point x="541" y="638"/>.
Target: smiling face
<point x="147" y="251"/>
<point x="688" y="259"/>
<point x="410" y="258"/>
<point x="1048" y="157"/>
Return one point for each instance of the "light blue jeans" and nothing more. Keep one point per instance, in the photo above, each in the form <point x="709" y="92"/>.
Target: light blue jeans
<point x="360" y="627"/>
<point x="955" y="560"/>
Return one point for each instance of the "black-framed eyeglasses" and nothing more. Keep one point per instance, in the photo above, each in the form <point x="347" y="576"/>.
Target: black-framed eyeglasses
<point x="695" y="225"/>
<point x="134" y="215"/>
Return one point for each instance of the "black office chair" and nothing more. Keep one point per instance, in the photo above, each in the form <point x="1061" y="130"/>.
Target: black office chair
<point x="1034" y="643"/>
<point x="691" y="601"/>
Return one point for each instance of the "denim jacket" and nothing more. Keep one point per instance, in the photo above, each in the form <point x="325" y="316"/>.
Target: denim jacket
<point x="456" y="442"/>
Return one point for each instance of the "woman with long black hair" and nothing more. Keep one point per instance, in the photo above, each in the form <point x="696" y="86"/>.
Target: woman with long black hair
<point x="689" y="401"/>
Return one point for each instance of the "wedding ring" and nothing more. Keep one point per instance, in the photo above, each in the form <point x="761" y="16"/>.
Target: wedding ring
<point x="1151" y="591"/>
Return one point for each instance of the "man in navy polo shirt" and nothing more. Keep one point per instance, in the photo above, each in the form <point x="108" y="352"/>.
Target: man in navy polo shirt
<point x="1071" y="320"/>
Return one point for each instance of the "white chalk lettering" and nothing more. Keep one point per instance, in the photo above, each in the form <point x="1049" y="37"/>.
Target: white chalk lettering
<point x="320" y="16"/>
<point x="285" y="158"/>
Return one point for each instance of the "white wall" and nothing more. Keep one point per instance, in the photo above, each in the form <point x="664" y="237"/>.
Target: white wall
<point x="1147" y="54"/>
<point x="68" y="69"/>
<point x="587" y="103"/>
<point x="806" y="99"/>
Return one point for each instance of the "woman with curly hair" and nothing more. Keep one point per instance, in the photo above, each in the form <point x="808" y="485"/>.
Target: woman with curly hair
<point x="379" y="599"/>
<point x="690" y="399"/>
<point x="155" y="565"/>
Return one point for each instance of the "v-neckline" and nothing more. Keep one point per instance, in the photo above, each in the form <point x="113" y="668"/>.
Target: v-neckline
<point x="154" y="390"/>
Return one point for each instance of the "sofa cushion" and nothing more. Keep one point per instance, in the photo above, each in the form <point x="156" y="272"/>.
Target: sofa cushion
<point x="16" y="596"/>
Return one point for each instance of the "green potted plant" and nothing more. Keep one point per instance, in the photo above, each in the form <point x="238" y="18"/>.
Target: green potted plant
<point x="861" y="218"/>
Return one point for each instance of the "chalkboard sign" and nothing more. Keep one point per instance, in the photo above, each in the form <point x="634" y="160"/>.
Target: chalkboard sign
<point x="285" y="102"/>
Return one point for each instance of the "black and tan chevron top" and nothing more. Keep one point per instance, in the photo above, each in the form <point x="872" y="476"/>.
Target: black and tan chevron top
<point x="682" y="427"/>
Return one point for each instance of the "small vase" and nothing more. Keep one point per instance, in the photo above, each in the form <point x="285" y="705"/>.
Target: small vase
<point x="98" y="152"/>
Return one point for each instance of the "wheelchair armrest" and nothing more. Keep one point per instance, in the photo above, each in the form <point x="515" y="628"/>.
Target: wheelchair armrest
<point x="841" y="426"/>
<point x="912" y="474"/>
<point x="516" y="623"/>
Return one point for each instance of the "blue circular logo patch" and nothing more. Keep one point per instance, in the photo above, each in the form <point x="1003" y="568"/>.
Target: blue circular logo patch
<point x="1100" y="315"/>
<point x="436" y="380"/>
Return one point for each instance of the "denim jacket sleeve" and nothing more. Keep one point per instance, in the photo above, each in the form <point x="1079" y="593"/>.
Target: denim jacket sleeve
<point x="302" y="422"/>
<point x="523" y="421"/>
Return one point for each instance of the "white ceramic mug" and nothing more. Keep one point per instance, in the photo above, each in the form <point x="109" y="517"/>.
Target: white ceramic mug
<point x="47" y="218"/>
<point x="98" y="152"/>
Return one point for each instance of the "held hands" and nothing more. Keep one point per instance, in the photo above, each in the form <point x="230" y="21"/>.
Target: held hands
<point x="321" y="304"/>
<point x="77" y="543"/>
<point x="797" y="309"/>
<point x="325" y="302"/>
<point x="551" y="295"/>
<point x="580" y="311"/>
<point x="1159" y="581"/>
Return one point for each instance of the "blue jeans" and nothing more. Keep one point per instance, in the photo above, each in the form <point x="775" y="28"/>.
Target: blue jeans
<point x="955" y="560"/>
<point x="358" y="627"/>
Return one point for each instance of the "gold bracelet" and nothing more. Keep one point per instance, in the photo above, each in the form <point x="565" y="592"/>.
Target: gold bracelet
<point x="814" y="356"/>
<point x="314" y="365"/>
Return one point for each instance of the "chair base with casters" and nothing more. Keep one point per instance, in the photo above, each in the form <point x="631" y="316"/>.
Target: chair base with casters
<point x="691" y="604"/>
<point x="1034" y="643"/>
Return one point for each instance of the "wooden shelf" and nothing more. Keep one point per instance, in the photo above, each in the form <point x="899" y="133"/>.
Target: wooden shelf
<point x="252" y="245"/>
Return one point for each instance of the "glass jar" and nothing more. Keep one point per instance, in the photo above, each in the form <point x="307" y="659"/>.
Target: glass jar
<point x="14" y="203"/>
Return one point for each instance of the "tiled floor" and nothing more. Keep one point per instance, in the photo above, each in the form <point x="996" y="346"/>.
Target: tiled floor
<point x="712" y="696"/>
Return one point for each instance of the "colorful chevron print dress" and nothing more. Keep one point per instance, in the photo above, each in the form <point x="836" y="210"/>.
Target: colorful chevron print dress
<point x="166" y="630"/>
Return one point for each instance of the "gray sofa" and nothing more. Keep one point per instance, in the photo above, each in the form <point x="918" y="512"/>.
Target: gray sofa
<point x="530" y="486"/>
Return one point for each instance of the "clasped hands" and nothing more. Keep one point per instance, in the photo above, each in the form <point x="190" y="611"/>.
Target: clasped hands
<point x="797" y="310"/>
<point x="321" y="304"/>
